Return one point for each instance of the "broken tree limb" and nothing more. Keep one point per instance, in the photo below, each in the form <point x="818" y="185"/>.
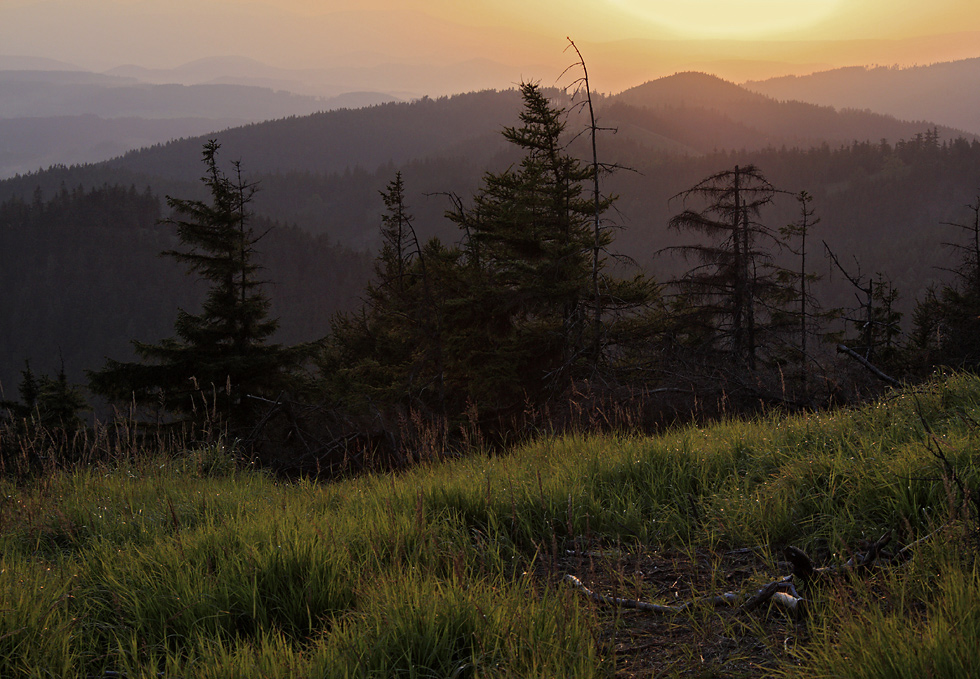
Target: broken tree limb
<point x="788" y="599"/>
<point x="771" y="592"/>
<point x="841" y="349"/>
<point x="905" y="552"/>
<point x="781" y="593"/>
<point x="804" y="570"/>
<point x="727" y="599"/>
<point x="793" y="604"/>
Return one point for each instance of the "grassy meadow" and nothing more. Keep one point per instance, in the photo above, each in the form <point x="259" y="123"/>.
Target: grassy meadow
<point x="194" y="565"/>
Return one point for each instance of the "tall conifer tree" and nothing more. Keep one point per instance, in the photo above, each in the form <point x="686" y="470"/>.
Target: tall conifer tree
<point x="530" y="250"/>
<point x="727" y="294"/>
<point x="222" y="354"/>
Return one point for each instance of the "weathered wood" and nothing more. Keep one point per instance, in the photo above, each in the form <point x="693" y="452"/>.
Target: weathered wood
<point x="727" y="599"/>
<point x="802" y="566"/>
<point x="841" y="349"/>
<point x="789" y="600"/>
<point x="781" y="592"/>
<point x="804" y="570"/>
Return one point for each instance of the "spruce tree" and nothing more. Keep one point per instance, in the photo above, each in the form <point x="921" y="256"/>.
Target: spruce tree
<point x="947" y="321"/>
<point x="389" y="351"/>
<point x="728" y="294"/>
<point x="221" y="355"/>
<point x="801" y="316"/>
<point x="529" y="251"/>
<point x="46" y="402"/>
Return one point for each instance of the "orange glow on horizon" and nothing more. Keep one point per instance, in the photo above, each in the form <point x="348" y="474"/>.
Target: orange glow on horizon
<point x="741" y="20"/>
<point x="484" y="43"/>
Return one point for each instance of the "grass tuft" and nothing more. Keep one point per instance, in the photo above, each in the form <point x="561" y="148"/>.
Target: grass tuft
<point x="189" y="564"/>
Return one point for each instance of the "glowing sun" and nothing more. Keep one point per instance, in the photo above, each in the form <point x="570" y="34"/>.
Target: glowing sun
<point x="730" y="18"/>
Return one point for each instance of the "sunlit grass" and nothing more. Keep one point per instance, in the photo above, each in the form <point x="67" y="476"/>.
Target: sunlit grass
<point x="191" y="566"/>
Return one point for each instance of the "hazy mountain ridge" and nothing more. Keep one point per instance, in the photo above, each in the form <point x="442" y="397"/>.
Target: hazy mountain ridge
<point x="681" y="112"/>
<point x="763" y="120"/>
<point x="50" y="117"/>
<point x="26" y="94"/>
<point x="31" y="144"/>
<point x="372" y="72"/>
<point x="17" y="62"/>
<point x="335" y="141"/>
<point x="331" y="164"/>
<point x="946" y="93"/>
<point x="881" y="203"/>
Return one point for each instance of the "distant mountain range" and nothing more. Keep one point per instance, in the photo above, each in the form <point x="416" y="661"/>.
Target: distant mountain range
<point x="946" y="93"/>
<point x="883" y="187"/>
<point x="81" y="117"/>
<point x="404" y="80"/>
<point x="707" y="113"/>
<point x="65" y="117"/>
<point x="452" y="140"/>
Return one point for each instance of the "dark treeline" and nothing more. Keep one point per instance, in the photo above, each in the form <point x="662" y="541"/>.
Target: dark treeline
<point x="82" y="276"/>
<point x="498" y="305"/>
<point x="322" y="172"/>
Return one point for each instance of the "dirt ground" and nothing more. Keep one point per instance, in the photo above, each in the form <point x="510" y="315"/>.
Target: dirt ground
<point x="701" y="642"/>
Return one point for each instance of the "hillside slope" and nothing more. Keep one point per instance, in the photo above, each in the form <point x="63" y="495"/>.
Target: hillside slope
<point x="52" y="117"/>
<point x="709" y="113"/>
<point x="882" y="203"/>
<point x="947" y="93"/>
<point x="460" y="567"/>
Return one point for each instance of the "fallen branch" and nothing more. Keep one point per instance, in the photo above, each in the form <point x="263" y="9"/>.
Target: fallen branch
<point x="781" y="592"/>
<point x="789" y="600"/>
<point x="906" y="552"/>
<point x="841" y="349"/>
<point x="804" y="570"/>
<point x="727" y="599"/>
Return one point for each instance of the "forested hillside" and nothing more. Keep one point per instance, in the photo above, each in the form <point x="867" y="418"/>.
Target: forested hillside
<point x="83" y="276"/>
<point x="322" y="172"/>
<point x="944" y="92"/>
<point x="81" y="256"/>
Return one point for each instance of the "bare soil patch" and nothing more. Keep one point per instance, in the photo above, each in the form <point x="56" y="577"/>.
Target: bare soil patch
<point x="702" y="642"/>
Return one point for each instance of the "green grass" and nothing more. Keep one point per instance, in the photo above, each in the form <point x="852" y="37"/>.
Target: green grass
<point x="190" y="567"/>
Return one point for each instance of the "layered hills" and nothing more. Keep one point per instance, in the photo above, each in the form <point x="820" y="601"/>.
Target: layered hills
<point x="72" y="117"/>
<point x="947" y="92"/>
<point x="883" y="187"/>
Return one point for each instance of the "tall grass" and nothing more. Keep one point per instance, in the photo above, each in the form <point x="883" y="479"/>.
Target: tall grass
<point x="187" y="565"/>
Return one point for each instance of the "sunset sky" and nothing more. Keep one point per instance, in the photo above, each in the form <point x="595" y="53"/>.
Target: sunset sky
<point x="626" y="41"/>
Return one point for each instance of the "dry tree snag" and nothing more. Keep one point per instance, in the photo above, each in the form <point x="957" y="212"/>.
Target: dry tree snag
<point x="781" y="592"/>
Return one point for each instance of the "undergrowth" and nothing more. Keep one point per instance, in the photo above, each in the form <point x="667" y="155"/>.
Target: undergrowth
<point x="188" y="565"/>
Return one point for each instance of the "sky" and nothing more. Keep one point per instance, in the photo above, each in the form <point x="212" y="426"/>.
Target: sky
<point x="503" y="41"/>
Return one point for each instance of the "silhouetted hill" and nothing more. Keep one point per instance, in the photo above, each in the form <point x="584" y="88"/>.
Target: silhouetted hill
<point x="19" y="62"/>
<point x="882" y="202"/>
<point x="251" y="73"/>
<point x="946" y="93"/>
<point x="52" y="117"/>
<point x="691" y="90"/>
<point x="708" y="113"/>
<point x="335" y="141"/>
<point x="323" y="171"/>
<point x="34" y="143"/>
<point x="382" y="70"/>
<point x="57" y="93"/>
